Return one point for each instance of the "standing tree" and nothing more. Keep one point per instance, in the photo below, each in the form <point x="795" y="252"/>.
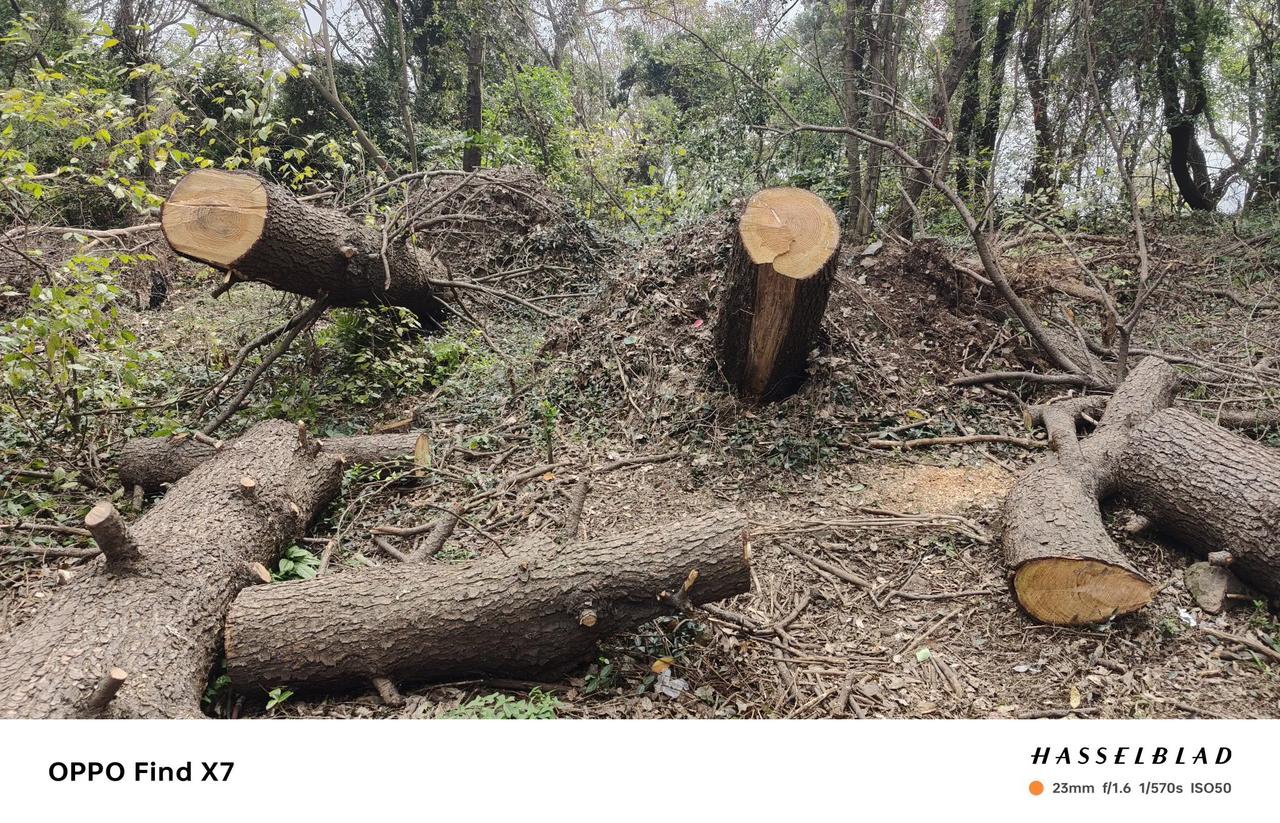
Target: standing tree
<point x="934" y="141"/>
<point x="1184" y="36"/>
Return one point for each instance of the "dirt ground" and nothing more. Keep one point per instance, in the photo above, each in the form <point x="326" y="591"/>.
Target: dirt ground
<point x="930" y="628"/>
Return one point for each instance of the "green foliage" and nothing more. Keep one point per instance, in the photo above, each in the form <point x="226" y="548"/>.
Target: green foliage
<point x="277" y="697"/>
<point x="216" y="695"/>
<point x="497" y="706"/>
<point x="67" y="360"/>
<point x="545" y="415"/>
<point x="528" y="120"/>
<point x="296" y="563"/>
<point x="382" y="354"/>
<point x="602" y="677"/>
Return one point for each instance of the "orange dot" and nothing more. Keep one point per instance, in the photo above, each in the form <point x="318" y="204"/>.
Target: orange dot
<point x="1036" y="787"/>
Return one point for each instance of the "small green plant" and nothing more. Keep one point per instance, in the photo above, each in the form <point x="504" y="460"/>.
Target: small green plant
<point x="1170" y="627"/>
<point x="455" y="554"/>
<point x="497" y="706"/>
<point x="603" y="676"/>
<point x="382" y="355"/>
<point x="296" y="564"/>
<point x="545" y="419"/>
<point x="216" y="696"/>
<point x="277" y="697"/>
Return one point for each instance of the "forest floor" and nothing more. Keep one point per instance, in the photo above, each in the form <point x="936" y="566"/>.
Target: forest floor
<point x="919" y="621"/>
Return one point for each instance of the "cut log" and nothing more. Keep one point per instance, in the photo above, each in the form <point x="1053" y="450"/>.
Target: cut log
<point x="153" y="462"/>
<point x="257" y="231"/>
<point x="161" y="621"/>
<point x="776" y="290"/>
<point x="537" y="613"/>
<point x="1210" y="490"/>
<point x="1067" y="569"/>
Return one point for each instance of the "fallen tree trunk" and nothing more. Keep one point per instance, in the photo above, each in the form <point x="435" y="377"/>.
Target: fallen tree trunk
<point x="257" y="231"/>
<point x="1210" y="490"/>
<point x="539" y="612"/>
<point x="153" y="462"/>
<point x="136" y="632"/>
<point x="776" y="291"/>
<point x="1067" y="569"/>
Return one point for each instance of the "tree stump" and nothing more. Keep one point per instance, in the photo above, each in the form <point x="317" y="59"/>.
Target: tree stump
<point x="257" y="231"/>
<point x="776" y="291"/>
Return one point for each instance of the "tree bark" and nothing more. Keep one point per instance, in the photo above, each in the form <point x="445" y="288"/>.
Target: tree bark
<point x="883" y="60"/>
<point x="473" y="121"/>
<point x="154" y="462"/>
<point x="537" y="613"/>
<point x="1067" y="569"/>
<point x="160" y="618"/>
<point x="1042" y="180"/>
<point x="933" y="145"/>
<point x="1210" y="490"/>
<point x="1186" y="158"/>
<point x="856" y="13"/>
<point x="776" y="290"/>
<point x="970" y="100"/>
<point x="985" y="152"/>
<point x="258" y="231"/>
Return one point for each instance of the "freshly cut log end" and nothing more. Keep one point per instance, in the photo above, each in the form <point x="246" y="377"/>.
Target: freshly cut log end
<point x="1067" y="568"/>
<point x="215" y="216"/>
<point x="792" y="230"/>
<point x="258" y="231"/>
<point x="1069" y="592"/>
<point x="776" y="291"/>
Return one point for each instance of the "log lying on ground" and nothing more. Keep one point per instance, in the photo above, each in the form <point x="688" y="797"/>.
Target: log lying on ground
<point x="776" y="290"/>
<point x="255" y="230"/>
<point x="1210" y="490"/>
<point x="153" y="462"/>
<point x="1067" y="569"/>
<point x="539" y="612"/>
<point x="154" y="606"/>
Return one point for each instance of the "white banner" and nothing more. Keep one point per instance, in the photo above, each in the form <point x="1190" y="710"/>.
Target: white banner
<point x="325" y="770"/>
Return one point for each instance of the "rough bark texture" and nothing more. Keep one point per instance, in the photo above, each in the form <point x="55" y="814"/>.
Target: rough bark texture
<point x="1044" y="154"/>
<point x="1210" y="490"/>
<point x="986" y="141"/>
<point x="153" y="462"/>
<point x="1067" y="569"/>
<point x="749" y="290"/>
<point x="526" y="616"/>
<point x="162" y="620"/>
<point x="473" y="120"/>
<point x="770" y="321"/>
<point x="318" y="252"/>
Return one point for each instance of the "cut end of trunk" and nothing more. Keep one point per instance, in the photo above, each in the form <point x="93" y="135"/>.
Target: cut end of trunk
<point x="1071" y="592"/>
<point x="793" y="230"/>
<point x="215" y="216"/>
